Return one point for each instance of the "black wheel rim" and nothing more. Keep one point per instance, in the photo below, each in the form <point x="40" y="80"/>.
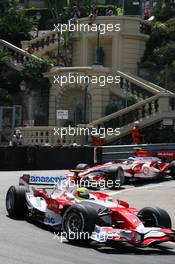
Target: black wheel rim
<point x="151" y="220"/>
<point x="74" y="223"/>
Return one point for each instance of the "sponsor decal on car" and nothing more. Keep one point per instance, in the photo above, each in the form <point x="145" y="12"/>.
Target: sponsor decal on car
<point x="46" y="179"/>
<point x="146" y="170"/>
<point x="49" y="220"/>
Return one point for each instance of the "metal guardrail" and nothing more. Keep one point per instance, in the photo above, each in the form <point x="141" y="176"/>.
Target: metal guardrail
<point x="120" y="152"/>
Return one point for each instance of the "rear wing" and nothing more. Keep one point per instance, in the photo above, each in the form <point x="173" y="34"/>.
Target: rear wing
<point x="27" y="179"/>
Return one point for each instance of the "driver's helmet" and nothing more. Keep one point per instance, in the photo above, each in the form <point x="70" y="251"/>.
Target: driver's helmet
<point x="131" y="159"/>
<point x="82" y="193"/>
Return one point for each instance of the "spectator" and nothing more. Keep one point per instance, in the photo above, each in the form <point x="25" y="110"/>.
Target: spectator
<point x="120" y="11"/>
<point x="109" y="12"/>
<point x="17" y="138"/>
<point x="146" y="13"/>
<point x="59" y="144"/>
<point x="75" y="15"/>
<point x="29" y="49"/>
<point x="93" y="14"/>
<point x="137" y="137"/>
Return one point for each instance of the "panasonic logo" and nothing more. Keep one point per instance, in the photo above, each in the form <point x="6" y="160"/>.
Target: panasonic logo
<point x="47" y="180"/>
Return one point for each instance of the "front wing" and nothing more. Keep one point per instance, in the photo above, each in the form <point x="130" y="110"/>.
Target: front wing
<point x="142" y="238"/>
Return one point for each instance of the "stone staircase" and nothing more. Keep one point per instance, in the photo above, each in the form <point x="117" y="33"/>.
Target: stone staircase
<point x="16" y="57"/>
<point x="131" y="85"/>
<point x="42" y="45"/>
<point x="154" y="103"/>
<point x="148" y="111"/>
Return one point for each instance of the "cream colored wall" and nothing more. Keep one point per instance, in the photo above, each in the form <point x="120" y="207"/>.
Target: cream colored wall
<point x="123" y="50"/>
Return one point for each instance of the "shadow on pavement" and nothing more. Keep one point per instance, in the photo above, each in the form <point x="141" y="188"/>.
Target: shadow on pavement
<point x="125" y="249"/>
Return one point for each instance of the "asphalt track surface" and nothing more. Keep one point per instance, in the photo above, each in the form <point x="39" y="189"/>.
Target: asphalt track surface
<point x="23" y="242"/>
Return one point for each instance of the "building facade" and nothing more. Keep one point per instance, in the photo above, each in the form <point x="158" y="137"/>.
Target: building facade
<point x="121" y="50"/>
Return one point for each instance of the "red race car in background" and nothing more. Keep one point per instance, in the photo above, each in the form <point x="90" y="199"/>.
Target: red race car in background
<point x="141" y="165"/>
<point x="84" y="216"/>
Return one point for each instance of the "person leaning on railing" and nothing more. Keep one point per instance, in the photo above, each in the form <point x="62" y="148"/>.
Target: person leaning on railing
<point x="75" y="15"/>
<point x="93" y="14"/>
<point x="29" y="49"/>
<point x="110" y="12"/>
<point x="120" y="11"/>
<point x="17" y="138"/>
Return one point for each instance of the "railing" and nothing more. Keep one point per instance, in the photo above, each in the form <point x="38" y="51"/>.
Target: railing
<point x="41" y="43"/>
<point x="135" y="86"/>
<point x="149" y="111"/>
<point x="48" y="135"/>
<point x="16" y="56"/>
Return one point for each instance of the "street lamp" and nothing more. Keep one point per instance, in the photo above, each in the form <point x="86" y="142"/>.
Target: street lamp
<point x="85" y="98"/>
<point x="86" y="86"/>
<point x="38" y="17"/>
<point x="98" y="46"/>
<point x="23" y="87"/>
<point x="27" y="100"/>
<point x="126" y="91"/>
<point x="59" y="39"/>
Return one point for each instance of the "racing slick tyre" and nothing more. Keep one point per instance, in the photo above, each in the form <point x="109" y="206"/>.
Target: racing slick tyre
<point x="172" y="169"/>
<point x="82" y="166"/>
<point x="155" y="217"/>
<point x="79" y="222"/>
<point x="16" y="201"/>
<point x="116" y="175"/>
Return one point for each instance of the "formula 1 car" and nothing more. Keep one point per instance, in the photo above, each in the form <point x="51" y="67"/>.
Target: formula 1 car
<point x="109" y="175"/>
<point x="83" y="216"/>
<point x="142" y="165"/>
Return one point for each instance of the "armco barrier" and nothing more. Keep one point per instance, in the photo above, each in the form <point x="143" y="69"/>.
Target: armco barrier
<point x="119" y="152"/>
<point x="47" y="158"/>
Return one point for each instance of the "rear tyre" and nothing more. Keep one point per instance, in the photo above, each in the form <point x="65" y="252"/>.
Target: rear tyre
<point x="82" y="166"/>
<point x="155" y="217"/>
<point x="116" y="178"/>
<point x="79" y="223"/>
<point x="172" y="169"/>
<point x="16" y="201"/>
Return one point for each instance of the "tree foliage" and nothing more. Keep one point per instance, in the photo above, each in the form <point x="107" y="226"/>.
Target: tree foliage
<point x="56" y="8"/>
<point x="5" y="97"/>
<point x="159" y="57"/>
<point x="35" y="68"/>
<point x="14" y="25"/>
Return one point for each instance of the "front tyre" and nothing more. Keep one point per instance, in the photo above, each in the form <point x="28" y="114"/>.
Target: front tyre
<point x="155" y="217"/>
<point x="16" y="201"/>
<point x="79" y="222"/>
<point x="116" y="178"/>
<point x="172" y="169"/>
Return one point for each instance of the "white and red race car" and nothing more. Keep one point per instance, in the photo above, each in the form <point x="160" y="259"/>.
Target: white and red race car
<point x="141" y="165"/>
<point x="83" y="216"/>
